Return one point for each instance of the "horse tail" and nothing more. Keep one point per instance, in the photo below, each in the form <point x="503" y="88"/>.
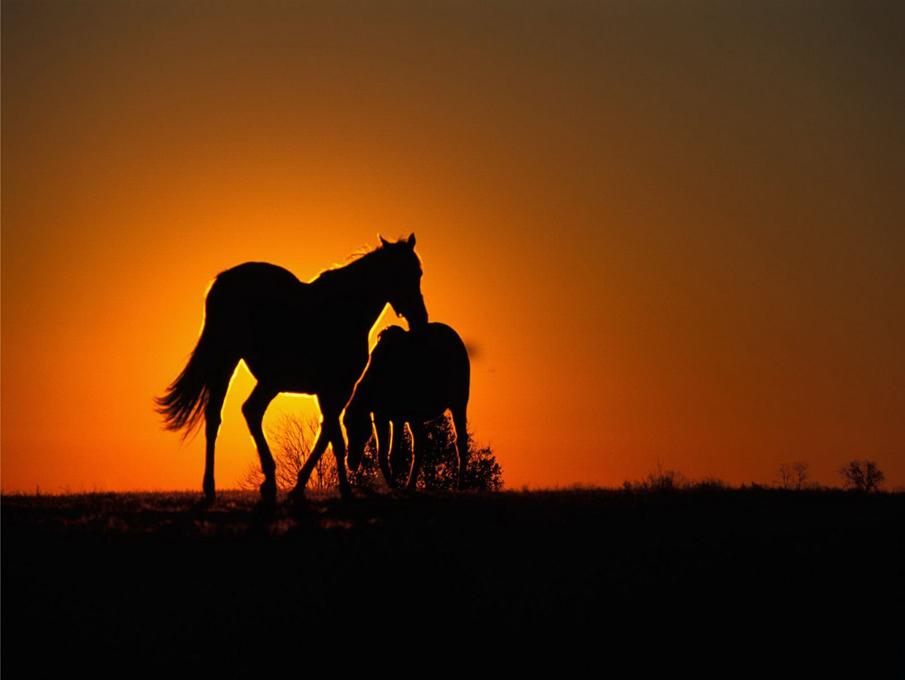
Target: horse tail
<point x="183" y="404"/>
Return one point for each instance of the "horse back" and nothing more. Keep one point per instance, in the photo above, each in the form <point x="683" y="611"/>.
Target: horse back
<point x="255" y="282"/>
<point x="295" y="336"/>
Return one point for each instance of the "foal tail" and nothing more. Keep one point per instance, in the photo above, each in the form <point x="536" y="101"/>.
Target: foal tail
<point x="183" y="404"/>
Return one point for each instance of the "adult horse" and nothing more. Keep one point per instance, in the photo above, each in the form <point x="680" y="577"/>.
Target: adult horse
<point x="309" y="338"/>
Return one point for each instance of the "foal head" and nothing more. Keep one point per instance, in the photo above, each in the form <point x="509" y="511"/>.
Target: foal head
<point x="401" y="271"/>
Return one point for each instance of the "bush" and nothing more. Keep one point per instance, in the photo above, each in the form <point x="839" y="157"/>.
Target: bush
<point x="659" y="481"/>
<point x="439" y="470"/>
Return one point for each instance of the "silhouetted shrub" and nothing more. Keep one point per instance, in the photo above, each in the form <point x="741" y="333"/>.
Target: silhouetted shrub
<point x="862" y="475"/>
<point x="669" y="481"/>
<point x="439" y="469"/>
<point x="659" y="481"/>
<point x="709" y="484"/>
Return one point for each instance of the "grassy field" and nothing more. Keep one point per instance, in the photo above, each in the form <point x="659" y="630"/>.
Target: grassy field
<point x="687" y="579"/>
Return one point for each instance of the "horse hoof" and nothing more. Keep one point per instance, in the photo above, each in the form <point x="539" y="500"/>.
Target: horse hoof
<point x="203" y="503"/>
<point x="269" y="492"/>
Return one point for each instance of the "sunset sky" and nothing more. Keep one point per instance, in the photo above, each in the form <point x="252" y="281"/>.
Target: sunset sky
<point x="671" y="232"/>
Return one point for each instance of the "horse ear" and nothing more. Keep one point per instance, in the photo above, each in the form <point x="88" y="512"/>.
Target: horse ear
<point x="411" y="240"/>
<point x="383" y="241"/>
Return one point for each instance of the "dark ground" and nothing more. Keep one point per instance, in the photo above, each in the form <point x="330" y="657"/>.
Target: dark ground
<point x="685" y="581"/>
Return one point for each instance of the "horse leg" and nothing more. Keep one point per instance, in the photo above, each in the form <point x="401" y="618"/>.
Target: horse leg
<point x="335" y="432"/>
<point x="320" y="445"/>
<point x="458" y="414"/>
<point x="418" y="441"/>
<point x="253" y="409"/>
<point x="384" y="440"/>
<point x="212" y="419"/>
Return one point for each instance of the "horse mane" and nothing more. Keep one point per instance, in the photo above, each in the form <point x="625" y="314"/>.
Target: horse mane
<point x="351" y="273"/>
<point x="360" y="262"/>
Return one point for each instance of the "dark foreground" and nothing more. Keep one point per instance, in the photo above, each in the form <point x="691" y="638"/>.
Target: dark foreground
<point x="780" y="581"/>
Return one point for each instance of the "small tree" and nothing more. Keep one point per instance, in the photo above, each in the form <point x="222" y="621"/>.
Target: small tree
<point x="862" y="475"/>
<point x="793" y="476"/>
<point x="292" y="439"/>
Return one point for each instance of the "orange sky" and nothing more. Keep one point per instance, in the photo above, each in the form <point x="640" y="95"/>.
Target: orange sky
<point x="672" y="234"/>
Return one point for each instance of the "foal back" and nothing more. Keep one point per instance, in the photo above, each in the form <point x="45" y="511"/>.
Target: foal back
<point x="423" y="372"/>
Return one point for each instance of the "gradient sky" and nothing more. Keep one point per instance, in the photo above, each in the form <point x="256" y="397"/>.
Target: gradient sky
<point x="672" y="232"/>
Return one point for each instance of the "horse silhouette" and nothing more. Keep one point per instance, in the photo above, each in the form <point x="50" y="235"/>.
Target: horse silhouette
<point x="309" y="338"/>
<point x="411" y="377"/>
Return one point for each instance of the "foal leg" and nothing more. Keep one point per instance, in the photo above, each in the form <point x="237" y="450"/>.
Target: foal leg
<point x="419" y="437"/>
<point x="384" y="440"/>
<point x="253" y="409"/>
<point x="395" y="448"/>
<point x="458" y="414"/>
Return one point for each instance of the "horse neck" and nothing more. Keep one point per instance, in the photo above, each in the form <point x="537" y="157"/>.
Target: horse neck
<point x="360" y="290"/>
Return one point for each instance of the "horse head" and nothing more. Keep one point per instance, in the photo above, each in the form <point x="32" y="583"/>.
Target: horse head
<point x="402" y="277"/>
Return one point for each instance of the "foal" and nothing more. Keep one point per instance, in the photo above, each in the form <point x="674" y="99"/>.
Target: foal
<point x="411" y="377"/>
